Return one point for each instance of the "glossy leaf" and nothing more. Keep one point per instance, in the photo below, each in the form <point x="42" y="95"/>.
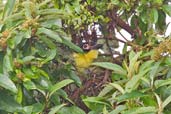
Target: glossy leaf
<point x="7" y="103"/>
<point x="143" y="16"/>
<point x="116" y="68"/>
<point x="8" y="8"/>
<point x="74" y="77"/>
<point x="7" y="83"/>
<point x="55" y="109"/>
<point x="133" y="58"/>
<point x="166" y="101"/>
<point x="19" y="97"/>
<point x="28" y="59"/>
<point x="134" y="81"/>
<point x="159" y="101"/>
<point x="50" y="34"/>
<point x="141" y="110"/>
<point x="71" y="45"/>
<point x="51" y="55"/>
<point x="154" y="70"/>
<point x="161" y="24"/>
<point x="95" y="100"/>
<point x="28" y="84"/>
<point x="118" y="87"/>
<point x="60" y="85"/>
<point x="95" y="103"/>
<point x="108" y="88"/>
<point x="153" y="15"/>
<point x="28" y="109"/>
<point x="49" y="43"/>
<point x="160" y="83"/>
<point x="71" y="110"/>
<point x="131" y="95"/>
<point x="118" y="109"/>
<point x="37" y="108"/>
<point x="167" y="9"/>
<point x="7" y="62"/>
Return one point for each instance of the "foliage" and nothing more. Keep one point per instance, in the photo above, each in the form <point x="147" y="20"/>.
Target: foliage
<point x="43" y="44"/>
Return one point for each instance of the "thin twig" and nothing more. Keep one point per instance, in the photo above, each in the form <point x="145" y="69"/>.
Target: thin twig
<point x="110" y="50"/>
<point x="121" y="34"/>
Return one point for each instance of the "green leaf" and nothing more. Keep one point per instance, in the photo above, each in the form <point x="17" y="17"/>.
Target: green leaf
<point x="115" y="2"/>
<point x="153" y="15"/>
<point x="149" y="100"/>
<point x="98" y="100"/>
<point x="118" y="87"/>
<point x="60" y="85"/>
<point x="50" y="34"/>
<point x="43" y="3"/>
<point x="7" y="103"/>
<point x="71" y="110"/>
<point x="143" y="26"/>
<point x="160" y="83"/>
<point x="18" y="38"/>
<point x="55" y="109"/>
<point x="131" y="95"/>
<point x="28" y="109"/>
<point x="51" y="54"/>
<point x="28" y="59"/>
<point x="51" y="23"/>
<point x="71" y="45"/>
<point x="105" y="90"/>
<point x="19" y="96"/>
<point x="154" y="71"/>
<point x="47" y="41"/>
<point x="141" y="110"/>
<point x="131" y="84"/>
<point x="42" y="72"/>
<point x="167" y="9"/>
<point x="53" y="11"/>
<point x="166" y="101"/>
<point x="143" y="16"/>
<point x="63" y="94"/>
<point x="161" y="24"/>
<point x="96" y="103"/>
<point x="8" y="8"/>
<point x="38" y="108"/>
<point x="167" y="61"/>
<point x="27" y="33"/>
<point x="74" y="77"/>
<point x="105" y="111"/>
<point x="28" y="84"/>
<point x="132" y="55"/>
<point x="118" y="109"/>
<point x="116" y="68"/>
<point x="7" y="62"/>
<point x="1" y="26"/>
<point x="6" y="83"/>
<point x="133" y="60"/>
<point x="149" y="15"/>
<point x="44" y="83"/>
<point x="159" y="101"/>
<point x="28" y="10"/>
<point x="146" y="65"/>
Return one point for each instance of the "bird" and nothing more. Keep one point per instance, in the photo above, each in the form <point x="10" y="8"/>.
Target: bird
<point x="84" y="60"/>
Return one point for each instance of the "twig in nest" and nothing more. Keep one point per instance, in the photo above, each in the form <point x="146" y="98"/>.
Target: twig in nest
<point x="105" y="78"/>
